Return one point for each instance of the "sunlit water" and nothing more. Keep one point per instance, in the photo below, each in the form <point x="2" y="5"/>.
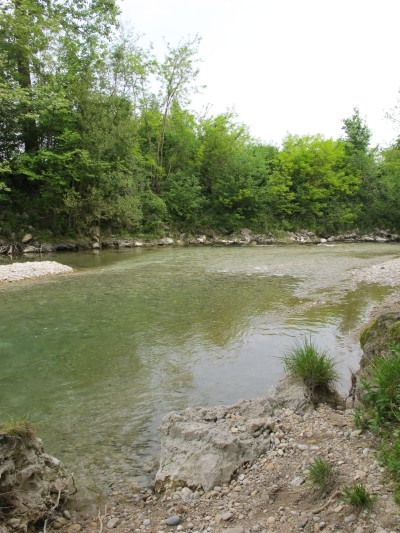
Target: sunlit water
<point x="96" y="358"/>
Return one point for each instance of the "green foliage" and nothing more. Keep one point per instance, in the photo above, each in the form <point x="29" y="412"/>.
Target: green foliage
<point x="394" y="332"/>
<point x="314" y="183"/>
<point x="322" y="474"/>
<point x="91" y="121"/>
<point x="316" y="369"/>
<point x="358" y="497"/>
<point x="380" y="409"/>
<point x="380" y="391"/>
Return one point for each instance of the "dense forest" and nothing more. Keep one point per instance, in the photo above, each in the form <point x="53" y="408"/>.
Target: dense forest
<point x="94" y="130"/>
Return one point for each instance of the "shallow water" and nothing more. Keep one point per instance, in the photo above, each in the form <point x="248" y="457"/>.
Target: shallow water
<point x="96" y="358"/>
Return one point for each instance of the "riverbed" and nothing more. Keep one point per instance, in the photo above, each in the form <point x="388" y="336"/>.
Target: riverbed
<point x="95" y="359"/>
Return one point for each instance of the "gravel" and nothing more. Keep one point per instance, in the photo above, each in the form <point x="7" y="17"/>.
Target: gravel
<point x="387" y="273"/>
<point x="31" y="269"/>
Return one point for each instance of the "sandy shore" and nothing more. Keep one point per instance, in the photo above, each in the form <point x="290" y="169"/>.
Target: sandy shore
<point x="31" y="269"/>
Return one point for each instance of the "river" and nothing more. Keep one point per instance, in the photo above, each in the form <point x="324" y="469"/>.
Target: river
<point x="96" y="358"/>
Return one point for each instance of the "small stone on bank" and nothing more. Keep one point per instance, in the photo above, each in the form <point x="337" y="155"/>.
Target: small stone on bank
<point x="173" y="520"/>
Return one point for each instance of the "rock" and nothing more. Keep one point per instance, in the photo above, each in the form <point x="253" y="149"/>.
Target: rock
<point x="377" y="336"/>
<point x="31" y="250"/>
<point x="173" y="520"/>
<point x="237" y="529"/>
<point x="291" y="394"/>
<point x="186" y="494"/>
<point x="112" y="523"/>
<point x="198" y="447"/>
<point x="167" y="241"/>
<point x="146" y="522"/>
<point x="35" y="476"/>
<point x="75" y="528"/>
<point x="297" y="481"/>
<point x="227" y="516"/>
<point x="96" y="246"/>
<point x="26" y="238"/>
<point x="67" y="514"/>
<point x="271" y="520"/>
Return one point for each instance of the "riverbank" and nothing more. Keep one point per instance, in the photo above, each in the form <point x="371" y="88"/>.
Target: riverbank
<point x="29" y="244"/>
<point x="273" y="495"/>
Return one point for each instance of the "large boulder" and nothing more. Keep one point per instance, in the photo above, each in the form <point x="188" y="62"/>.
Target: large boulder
<point x="376" y="337"/>
<point x="32" y="483"/>
<point x="204" y="447"/>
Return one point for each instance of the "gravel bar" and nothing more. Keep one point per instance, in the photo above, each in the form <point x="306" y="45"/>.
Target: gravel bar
<point x="31" y="269"/>
<point x="387" y="273"/>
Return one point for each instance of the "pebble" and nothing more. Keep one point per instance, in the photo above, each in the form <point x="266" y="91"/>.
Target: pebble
<point x="112" y="523"/>
<point x="173" y="520"/>
<point x="271" y="520"/>
<point x="297" y="481"/>
<point x="146" y="522"/>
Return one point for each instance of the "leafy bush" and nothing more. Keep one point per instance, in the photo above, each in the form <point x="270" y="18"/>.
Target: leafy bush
<point x="380" y="409"/>
<point x="358" y="497"/>
<point x="316" y="369"/>
<point x="322" y="474"/>
<point x="380" y="391"/>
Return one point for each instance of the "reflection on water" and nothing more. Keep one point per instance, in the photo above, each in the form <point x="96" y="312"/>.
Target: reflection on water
<point x="96" y="358"/>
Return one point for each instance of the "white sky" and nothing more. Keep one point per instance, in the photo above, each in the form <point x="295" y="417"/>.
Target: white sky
<point x="297" y="66"/>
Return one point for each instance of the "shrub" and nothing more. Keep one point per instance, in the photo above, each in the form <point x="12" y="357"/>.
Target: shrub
<point x="316" y="369"/>
<point x="358" y="497"/>
<point x="380" y="390"/>
<point x="322" y="474"/>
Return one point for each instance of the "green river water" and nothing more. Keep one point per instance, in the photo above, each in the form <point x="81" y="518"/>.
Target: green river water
<point x="96" y="358"/>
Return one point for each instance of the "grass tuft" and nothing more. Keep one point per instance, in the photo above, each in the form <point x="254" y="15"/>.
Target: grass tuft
<point x="17" y="428"/>
<point x="316" y="369"/>
<point x="322" y="474"/>
<point x="358" y="497"/>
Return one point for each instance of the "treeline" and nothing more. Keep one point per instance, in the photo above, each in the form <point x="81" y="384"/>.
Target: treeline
<point x="96" y="131"/>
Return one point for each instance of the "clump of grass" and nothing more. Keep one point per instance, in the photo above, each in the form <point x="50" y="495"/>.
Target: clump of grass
<point x="316" y="369"/>
<point x="17" y="428"/>
<point x="358" y="497"/>
<point x="322" y="474"/>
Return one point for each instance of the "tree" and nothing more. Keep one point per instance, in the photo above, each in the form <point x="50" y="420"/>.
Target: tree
<point x="312" y="173"/>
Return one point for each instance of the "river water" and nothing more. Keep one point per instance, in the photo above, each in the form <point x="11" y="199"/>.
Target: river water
<point x="96" y="358"/>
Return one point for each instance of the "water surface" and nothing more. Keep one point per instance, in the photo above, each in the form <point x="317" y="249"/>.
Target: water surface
<point x="96" y="358"/>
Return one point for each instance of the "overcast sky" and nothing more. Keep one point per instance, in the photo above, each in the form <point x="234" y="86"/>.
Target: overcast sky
<point x="297" y="66"/>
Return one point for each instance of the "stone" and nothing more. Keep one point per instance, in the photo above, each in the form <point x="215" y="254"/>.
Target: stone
<point x="30" y="250"/>
<point x="297" y="481"/>
<point x="26" y="238"/>
<point x="173" y="520"/>
<point x="147" y="522"/>
<point x="271" y="520"/>
<point x="23" y="463"/>
<point x="167" y="241"/>
<point x="291" y="394"/>
<point x="112" y="523"/>
<point x="227" y="516"/>
<point x="237" y="529"/>
<point x="74" y="528"/>
<point x="303" y="523"/>
<point x="198" y="447"/>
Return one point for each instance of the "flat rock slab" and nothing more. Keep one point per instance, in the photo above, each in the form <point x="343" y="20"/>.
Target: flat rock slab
<point x="31" y="269"/>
